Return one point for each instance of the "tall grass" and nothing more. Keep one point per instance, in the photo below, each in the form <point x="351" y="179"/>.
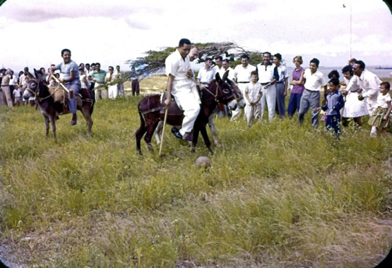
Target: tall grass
<point x="276" y="195"/>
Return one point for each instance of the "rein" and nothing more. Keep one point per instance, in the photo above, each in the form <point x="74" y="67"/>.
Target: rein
<point x="36" y="93"/>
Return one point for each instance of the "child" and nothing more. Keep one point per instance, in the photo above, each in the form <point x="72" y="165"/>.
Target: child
<point x="253" y="94"/>
<point x="380" y="117"/>
<point x="333" y="105"/>
<point x="17" y="95"/>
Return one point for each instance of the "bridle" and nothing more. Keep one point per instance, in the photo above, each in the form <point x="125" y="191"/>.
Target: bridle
<point x="36" y="92"/>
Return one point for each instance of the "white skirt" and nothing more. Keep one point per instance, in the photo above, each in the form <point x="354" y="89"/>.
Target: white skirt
<point x="354" y="107"/>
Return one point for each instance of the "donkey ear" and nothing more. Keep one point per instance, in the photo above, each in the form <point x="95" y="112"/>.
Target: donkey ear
<point x="36" y="73"/>
<point x="218" y="78"/>
<point x="225" y="75"/>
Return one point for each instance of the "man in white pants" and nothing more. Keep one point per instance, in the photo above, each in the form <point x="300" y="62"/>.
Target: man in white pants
<point x="266" y="75"/>
<point x="180" y="85"/>
<point x="242" y="73"/>
<point x="370" y="88"/>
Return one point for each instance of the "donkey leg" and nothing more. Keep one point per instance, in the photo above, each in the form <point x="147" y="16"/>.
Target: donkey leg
<point x="85" y="109"/>
<point x="140" y="133"/>
<point x="158" y="132"/>
<point x="150" y="132"/>
<point x="53" y="124"/>
<point x="207" y="142"/>
<point x="213" y="129"/>
<point x="46" y="120"/>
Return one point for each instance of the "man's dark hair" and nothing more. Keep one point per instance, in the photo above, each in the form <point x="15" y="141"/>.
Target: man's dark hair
<point x="278" y="56"/>
<point x="65" y="50"/>
<point x="254" y="73"/>
<point x="226" y="60"/>
<point x="219" y="57"/>
<point x="315" y="61"/>
<point x="334" y="81"/>
<point x="348" y="68"/>
<point x="386" y="85"/>
<point x="269" y="53"/>
<point x="334" y="73"/>
<point x="183" y="42"/>
<point x="361" y="64"/>
<point x="245" y="56"/>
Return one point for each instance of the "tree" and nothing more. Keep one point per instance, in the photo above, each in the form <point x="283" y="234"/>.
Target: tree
<point x="154" y="61"/>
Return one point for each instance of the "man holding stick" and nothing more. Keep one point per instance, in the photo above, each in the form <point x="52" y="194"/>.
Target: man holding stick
<point x="70" y="71"/>
<point x="180" y="85"/>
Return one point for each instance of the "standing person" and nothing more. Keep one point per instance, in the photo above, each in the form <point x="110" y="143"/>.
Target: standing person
<point x="112" y="86"/>
<point x="23" y="78"/>
<point x="13" y="83"/>
<point x="242" y="75"/>
<point x="333" y="105"/>
<point x="369" y="84"/>
<point x="135" y="86"/>
<point x="70" y="78"/>
<point x="5" y="86"/>
<point x="226" y="68"/>
<point x="98" y="77"/>
<point x="84" y="83"/>
<point x="219" y="66"/>
<point x="297" y="81"/>
<point x="380" y="117"/>
<point x="43" y="73"/>
<point x="281" y="83"/>
<point x="206" y="74"/>
<point x="311" y="97"/>
<point x="180" y="86"/>
<point x="253" y="94"/>
<point x="90" y="78"/>
<point x="353" y="107"/>
<point x="266" y="76"/>
<point x="118" y="75"/>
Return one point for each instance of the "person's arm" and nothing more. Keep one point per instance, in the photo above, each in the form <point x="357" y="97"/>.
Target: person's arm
<point x="259" y="97"/>
<point x="340" y="104"/>
<point x="388" y="111"/>
<point x="169" y="86"/>
<point x="286" y="84"/>
<point x="247" y="97"/>
<point x="301" y="80"/>
<point x="374" y="84"/>
<point x="73" y="74"/>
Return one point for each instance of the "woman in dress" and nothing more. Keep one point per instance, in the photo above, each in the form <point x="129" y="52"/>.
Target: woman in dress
<point x="353" y="107"/>
<point x="297" y="82"/>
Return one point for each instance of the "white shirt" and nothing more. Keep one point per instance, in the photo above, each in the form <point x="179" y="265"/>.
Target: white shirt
<point x="383" y="99"/>
<point x="313" y="81"/>
<point x="282" y="71"/>
<point x="370" y="83"/>
<point x="352" y="84"/>
<point x="243" y="74"/>
<point x="178" y="67"/>
<point x="230" y="76"/>
<point x="253" y="91"/>
<point x="206" y="76"/>
<point x="220" y="70"/>
<point x="266" y="73"/>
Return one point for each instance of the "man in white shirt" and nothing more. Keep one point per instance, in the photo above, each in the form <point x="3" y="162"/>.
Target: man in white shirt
<point x="219" y="66"/>
<point x="265" y="71"/>
<point x="242" y="74"/>
<point x="226" y="68"/>
<point x="206" y="74"/>
<point x="314" y="80"/>
<point x="120" y="85"/>
<point x="369" y="87"/>
<point x="180" y="85"/>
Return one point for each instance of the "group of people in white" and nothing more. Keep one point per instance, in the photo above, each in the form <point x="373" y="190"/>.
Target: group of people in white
<point x="267" y="84"/>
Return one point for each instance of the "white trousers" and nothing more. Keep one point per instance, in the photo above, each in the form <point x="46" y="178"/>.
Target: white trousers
<point x="189" y="101"/>
<point x="252" y="112"/>
<point x="113" y="92"/>
<point x="269" y="97"/>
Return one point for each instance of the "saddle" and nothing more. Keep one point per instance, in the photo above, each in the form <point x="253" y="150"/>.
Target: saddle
<point x="174" y="109"/>
<point x="60" y="97"/>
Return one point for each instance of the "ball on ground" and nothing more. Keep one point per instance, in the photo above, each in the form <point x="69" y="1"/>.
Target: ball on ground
<point x="203" y="161"/>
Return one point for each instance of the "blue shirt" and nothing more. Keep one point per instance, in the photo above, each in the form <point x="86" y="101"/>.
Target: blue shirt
<point x="335" y="103"/>
<point x="66" y="70"/>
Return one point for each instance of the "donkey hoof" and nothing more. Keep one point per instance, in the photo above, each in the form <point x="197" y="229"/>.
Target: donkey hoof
<point x="149" y="146"/>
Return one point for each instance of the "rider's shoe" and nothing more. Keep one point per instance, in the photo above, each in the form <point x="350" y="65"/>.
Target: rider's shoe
<point x="176" y="133"/>
<point x="74" y="120"/>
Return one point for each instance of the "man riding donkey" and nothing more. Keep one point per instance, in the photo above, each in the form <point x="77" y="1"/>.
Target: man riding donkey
<point x="70" y="78"/>
<point x="183" y="88"/>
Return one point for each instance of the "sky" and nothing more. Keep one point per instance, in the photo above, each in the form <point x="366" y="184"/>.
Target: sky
<point x="33" y="33"/>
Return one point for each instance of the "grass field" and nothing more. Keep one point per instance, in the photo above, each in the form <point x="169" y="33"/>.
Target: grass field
<point x="277" y="195"/>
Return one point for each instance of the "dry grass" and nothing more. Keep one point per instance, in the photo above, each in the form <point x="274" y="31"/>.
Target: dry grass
<point x="277" y="195"/>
